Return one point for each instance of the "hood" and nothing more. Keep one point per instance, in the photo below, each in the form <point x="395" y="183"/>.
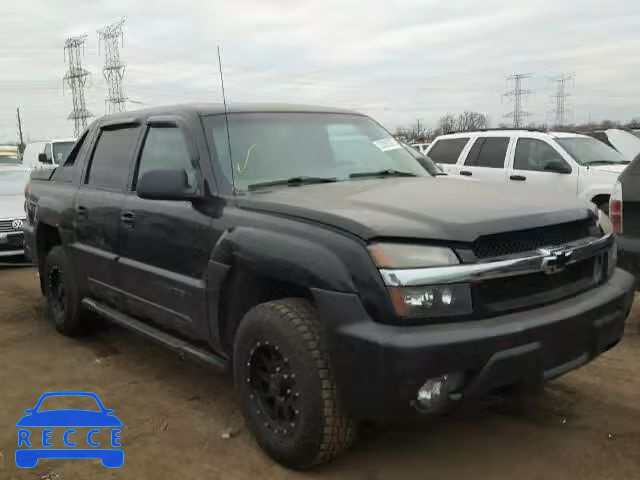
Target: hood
<point x="625" y="142"/>
<point x="612" y="168"/>
<point x="69" y="418"/>
<point x="435" y="208"/>
<point x="12" y="206"/>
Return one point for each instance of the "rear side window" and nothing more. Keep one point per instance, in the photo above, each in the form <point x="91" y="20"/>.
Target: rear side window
<point x="165" y="148"/>
<point x="47" y="152"/>
<point x="112" y="157"/>
<point x="533" y="155"/>
<point x="490" y="153"/>
<point x="447" y="150"/>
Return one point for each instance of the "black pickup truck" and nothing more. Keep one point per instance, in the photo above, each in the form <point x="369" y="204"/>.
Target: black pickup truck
<point x="309" y="252"/>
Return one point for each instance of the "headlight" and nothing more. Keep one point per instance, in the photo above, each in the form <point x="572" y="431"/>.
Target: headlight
<point x="428" y="300"/>
<point x="432" y="301"/>
<point x="403" y="255"/>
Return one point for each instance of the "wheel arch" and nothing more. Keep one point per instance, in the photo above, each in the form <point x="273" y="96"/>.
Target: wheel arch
<point x="47" y="237"/>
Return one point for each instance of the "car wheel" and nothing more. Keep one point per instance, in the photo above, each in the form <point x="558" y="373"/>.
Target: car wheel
<point x="286" y="385"/>
<point x="61" y="292"/>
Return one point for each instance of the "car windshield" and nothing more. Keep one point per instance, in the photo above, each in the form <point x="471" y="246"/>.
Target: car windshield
<point x="61" y="151"/>
<point x="306" y="147"/>
<point x="12" y="182"/>
<point x="9" y="158"/>
<point x="65" y="402"/>
<point x="589" y="151"/>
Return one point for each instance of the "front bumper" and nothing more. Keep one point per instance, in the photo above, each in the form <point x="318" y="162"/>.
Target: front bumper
<point x="379" y="367"/>
<point x="11" y="244"/>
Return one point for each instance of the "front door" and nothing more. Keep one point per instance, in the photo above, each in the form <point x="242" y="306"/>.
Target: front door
<point x="97" y="206"/>
<point x="527" y="168"/>
<point x="165" y="245"/>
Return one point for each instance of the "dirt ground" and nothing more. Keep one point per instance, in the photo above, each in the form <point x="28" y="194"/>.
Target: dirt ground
<point x="176" y="415"/>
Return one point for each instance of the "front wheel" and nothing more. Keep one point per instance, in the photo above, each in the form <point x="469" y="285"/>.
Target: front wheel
<point x="286" y="386"/>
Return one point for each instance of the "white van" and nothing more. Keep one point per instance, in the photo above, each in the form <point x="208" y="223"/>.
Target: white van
<point x="39" y="155"/>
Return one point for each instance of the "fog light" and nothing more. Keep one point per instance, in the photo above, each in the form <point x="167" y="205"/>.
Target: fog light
<point x="434" y="393"/>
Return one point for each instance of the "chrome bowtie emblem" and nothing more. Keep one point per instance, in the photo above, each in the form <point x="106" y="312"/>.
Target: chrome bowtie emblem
<point x="16" y="224"/>
<point x="555" y="261"/>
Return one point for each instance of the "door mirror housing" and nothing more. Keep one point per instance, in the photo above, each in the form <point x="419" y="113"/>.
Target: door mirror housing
<point x="42" y="158"/>
<point x="556" y="166"/>
<point x="167" y="185"/>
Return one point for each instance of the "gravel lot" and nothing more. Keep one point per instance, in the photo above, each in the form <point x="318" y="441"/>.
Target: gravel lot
<point x="177" y="416"/>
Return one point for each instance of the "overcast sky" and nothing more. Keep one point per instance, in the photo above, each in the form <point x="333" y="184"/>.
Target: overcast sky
<point x="395" y="60"/>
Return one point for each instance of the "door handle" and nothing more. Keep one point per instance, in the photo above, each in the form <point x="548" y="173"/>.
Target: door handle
<point x="466" y="173"/>
<point x="128" y="219"/>
<point x="518" y="178"/>
<point x="81" y="212"/>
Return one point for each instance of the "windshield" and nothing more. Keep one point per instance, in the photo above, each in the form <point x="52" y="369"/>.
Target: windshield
<point x="268" y="147"/>
<point x="588" y="151"/>
<point x="9" y="157"/>
<point x="61" y="151"/>
<point x="13" y="182"/>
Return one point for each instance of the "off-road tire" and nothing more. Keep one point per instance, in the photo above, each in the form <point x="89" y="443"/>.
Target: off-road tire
<point x="68" y="316"/>
<point x="321" y="430"/>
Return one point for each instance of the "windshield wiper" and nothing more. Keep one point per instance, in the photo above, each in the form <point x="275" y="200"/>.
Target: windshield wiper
<point x="606" y="162"/>
<point x="383" y="173"/>
<point x="293" y="181"/>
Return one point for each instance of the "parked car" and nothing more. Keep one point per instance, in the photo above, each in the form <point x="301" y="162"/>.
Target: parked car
<point x="536" y="161"/>
<point x="9" y="155"/>
<point x="339" y="285"/>
<point x="421" y="147"/>
<point x="624" y="141"/>
<point x="624" y="213"/>
<point x="45" y="155"/>
<point x="13" y="179"/>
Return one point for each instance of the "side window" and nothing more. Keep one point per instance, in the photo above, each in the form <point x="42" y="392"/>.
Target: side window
<point x="75" y="151"/>
<point x="165" y="148"/>
<point x="112" y="156"/>
<point x="492" y="153"/>
<point x="47" y="152"/>
<point x="472" y="157"/>
<point x="447" y="150"/>
<point x="533" y="154"/>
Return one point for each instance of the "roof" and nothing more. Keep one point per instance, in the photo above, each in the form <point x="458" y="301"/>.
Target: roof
<point x="218" y="108"/>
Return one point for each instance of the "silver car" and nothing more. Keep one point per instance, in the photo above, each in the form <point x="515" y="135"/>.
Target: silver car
<point x="13" y="180"/>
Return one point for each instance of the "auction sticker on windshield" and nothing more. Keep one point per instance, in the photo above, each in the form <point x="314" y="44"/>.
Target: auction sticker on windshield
<point x="92" y="431"/>
<point x="386" y="144"/>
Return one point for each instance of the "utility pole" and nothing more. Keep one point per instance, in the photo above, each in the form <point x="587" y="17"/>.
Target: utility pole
<point x="560" y="98"/>
<point x="516" y="95"/>
<point x="76" y="77"/>
<point x="21" y="144"/>
<point x="112" y="36"/>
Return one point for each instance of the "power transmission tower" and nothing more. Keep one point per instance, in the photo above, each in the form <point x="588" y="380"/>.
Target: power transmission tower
<point x="560" y="98"/>
<point x="516" y="95"/>
<point x="76" y="77"/>
<point x="112" y="36"/>
<point x="21" y="144"/>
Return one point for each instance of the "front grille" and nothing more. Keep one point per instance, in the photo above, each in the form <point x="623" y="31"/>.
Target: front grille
<point x="5" y="226"/>
<point x="528" y="240"/>
<point x="510" y="293"/>
<point x="13" y="242"/>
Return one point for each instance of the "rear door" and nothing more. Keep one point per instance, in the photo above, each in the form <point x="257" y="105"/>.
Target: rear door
<point x="630" y="180"/>
<point x="166" y="244"/>
<point x="528" y="162"/>
<point x="98" y="204"/>
<point x="446" y="152"/>
<point x="486" y="159"/>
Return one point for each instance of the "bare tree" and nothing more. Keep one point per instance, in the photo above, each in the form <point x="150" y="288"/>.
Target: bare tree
<point x="447" y="124"/>
<point x="471" y="121"/>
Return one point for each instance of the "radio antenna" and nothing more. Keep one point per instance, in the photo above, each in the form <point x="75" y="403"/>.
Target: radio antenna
<point x="226" y="121"/>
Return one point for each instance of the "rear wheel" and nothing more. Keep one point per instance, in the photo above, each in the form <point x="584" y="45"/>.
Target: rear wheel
<point x="286" y="385"/>
<point x="61" y="292"/>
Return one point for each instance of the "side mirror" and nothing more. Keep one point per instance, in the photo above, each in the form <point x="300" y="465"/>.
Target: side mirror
<point x="166" y="185"/>
<point x="556" y="166"/>
<point x="42" y="158"/>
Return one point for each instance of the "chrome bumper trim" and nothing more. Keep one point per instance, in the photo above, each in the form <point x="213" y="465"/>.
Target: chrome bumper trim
<point x="477" y="272"/>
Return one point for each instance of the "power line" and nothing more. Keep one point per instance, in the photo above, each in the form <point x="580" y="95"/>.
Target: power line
<point x="76" y="77"/>
<point x="560" y="98"/>
<point x="114" y="67"/>
<point x="516" y="95"/>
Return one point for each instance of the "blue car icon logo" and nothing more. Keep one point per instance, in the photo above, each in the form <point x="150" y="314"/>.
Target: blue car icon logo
<point x="77" y="428"/>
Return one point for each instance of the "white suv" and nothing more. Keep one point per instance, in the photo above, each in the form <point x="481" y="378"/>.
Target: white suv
<point x="563" y="162"/>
